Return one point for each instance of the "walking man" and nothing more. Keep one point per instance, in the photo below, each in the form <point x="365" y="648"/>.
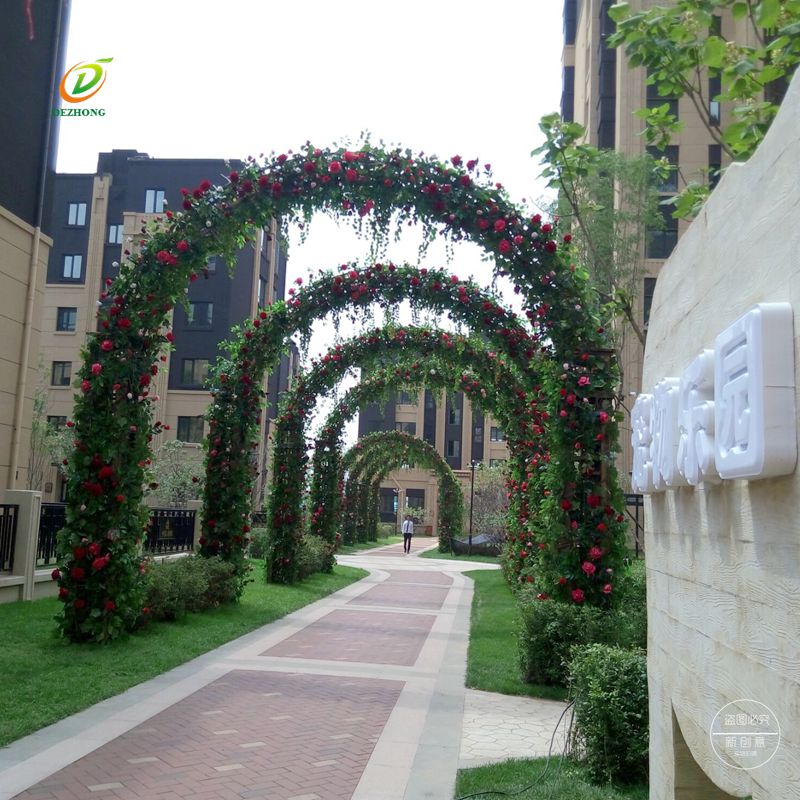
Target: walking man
<point x="408" y="532"/>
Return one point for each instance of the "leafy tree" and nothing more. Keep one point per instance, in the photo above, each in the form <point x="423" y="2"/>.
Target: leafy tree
<point x="176" y="474"/>
<point x="49" y="445"/>
<point x="490" y="502"/>
<point x="610" y="201"/>
<point x="681" y="45"/>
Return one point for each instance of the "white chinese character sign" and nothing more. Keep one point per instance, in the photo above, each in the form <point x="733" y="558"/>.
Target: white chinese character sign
<point x="730" y="415"/>
<point x="754" y="414"/>
<point x="642" y="478"/>
<point x="696" y="421"/>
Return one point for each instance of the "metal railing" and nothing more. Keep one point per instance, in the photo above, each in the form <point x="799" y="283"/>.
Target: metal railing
<point x="171" y="530"/>
<point x="8" y="536"/>
<point x="51" y="521"/>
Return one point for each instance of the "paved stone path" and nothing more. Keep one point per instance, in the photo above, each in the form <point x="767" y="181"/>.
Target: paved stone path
<point x="359" y="696"/>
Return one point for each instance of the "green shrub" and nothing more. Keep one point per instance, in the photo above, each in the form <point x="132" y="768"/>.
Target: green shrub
<point x="610" y="731"/>
<point x="259" y="543"/>
<point x="632" y="612"/>
<point x="314" y="554"/>
<point x="189" y="584"/>
<point x="549" y="629"/>
<point x="387" y="529"/>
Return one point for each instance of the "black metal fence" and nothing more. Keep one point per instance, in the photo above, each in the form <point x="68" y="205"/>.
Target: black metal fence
<point x="171" y="531"/>
<point x="8" y="536"/>
<point x="51" y="521"/>
<point x="636" y="502"/>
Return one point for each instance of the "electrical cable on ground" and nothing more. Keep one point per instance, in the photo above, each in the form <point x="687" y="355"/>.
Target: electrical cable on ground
<point x="541" y="777"/>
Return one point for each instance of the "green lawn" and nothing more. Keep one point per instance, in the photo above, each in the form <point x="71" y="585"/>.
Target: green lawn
<point x="349" y="549"/>
<point x="454" y="557"/>
<point x="45" y="679"/>
<point x="492" y="663"/>
<point x="564" y="780"/>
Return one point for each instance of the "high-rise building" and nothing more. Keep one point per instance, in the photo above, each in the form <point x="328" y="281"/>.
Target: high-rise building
<point x="602" y="92"/>
<point x="462" y="435"/>
<point x="32" y="46"/>
<point x="95" y="218"/>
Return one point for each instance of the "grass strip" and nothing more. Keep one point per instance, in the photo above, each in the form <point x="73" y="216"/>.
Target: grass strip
<point x="567" y="781"/>
<point x="493" y="660"/>
<point x="349" y="549"/>
<point x="46" y="679"/>
<point x="453" y="557"/>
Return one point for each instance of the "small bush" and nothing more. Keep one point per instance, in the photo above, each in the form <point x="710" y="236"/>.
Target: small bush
<point x="632" y="612"/>
<point x="387" y="529"/>
<point x="549" y="629"/>
<point x="611" y="720"/>
<point x="314" y="554"/>
<point x="259" y="543"/>
<point x="189" y="584"/>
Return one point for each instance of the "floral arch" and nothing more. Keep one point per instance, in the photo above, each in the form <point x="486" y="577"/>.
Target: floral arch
<point x="99" y="548"/>
<point x="489" y="385"/>
<point x="374" y="456"/>
<point x="289" y="448"/>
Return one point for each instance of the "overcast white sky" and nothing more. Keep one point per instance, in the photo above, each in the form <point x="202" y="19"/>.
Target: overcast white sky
<point x="231" y="78"/>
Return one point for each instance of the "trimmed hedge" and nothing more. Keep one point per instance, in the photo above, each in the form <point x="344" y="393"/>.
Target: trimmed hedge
<point x="189" y="584"/>
<point x="550" y="628"/>
<point x="611" y="711"/>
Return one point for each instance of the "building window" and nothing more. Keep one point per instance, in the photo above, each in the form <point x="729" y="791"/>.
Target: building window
<point x="73" y="267"/>
<point x="200" y="314"/>
<point x="714" y="164"/>
<point x="660" y="243"/>
<point x="76" y="214"/>
<point x="477" y="434"/>
<point x="496" y="434"/>
<point x="669" y="183"/>
<point x="570" y="21"/>
<point x="453" y="448"/>
<point x="154" y="201"/>
<point x="190" y="429"/>
<point x="405" y="398"/>
<point x="714" y="90"/>
<point x="211" y="265"/>
<point x="415" y="498"/>
<point x="568" y="95"/>
<point x="61" y="374"/>
<point x="115" y="234"/>
<point x="430" y="402"/>
<point x="454" y="416"/>
<point x="496" y="462"/>
<point x="655" y="100"/>
<point x="406" y="427"/>
<point x="194" y="371"/>
<point x="647" y="299"/>
<point x="262" y="292"/>
<point x="56" y="423"/>
<point x="66" y="318"/>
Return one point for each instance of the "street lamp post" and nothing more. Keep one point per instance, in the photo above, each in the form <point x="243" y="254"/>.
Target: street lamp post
<point x="473" y="465"/>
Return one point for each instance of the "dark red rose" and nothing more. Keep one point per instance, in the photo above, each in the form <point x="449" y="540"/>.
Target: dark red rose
<point x="334" y="167"/>
<point x="351" y="176"/>
<point x="79" y="603"/>
<point x="77" y="573"/>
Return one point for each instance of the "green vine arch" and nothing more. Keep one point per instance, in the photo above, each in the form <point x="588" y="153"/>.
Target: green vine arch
<point x="373" y="457"/>
<point x="99" y="573"/>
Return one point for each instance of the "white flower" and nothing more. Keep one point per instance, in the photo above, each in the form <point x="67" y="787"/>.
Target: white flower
<point x="209" y="223"/>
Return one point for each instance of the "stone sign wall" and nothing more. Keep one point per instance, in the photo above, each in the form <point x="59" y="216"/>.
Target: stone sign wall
<point x="715" y="436"/>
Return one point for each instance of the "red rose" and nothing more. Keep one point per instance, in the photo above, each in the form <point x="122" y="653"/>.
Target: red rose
<point x="234" y="176"/>
<point x="334" y="167"/>
<point x="101" y="562"/>
<point x="63" y="593"/>
<point x="601" y="526"/>
<point x="589" y="568"/>
<point x="77" y="573"/>
<point x="505" y="246"/>
<point x="169" y="336"/>
<point x="106" y="471"/>
<point x="79" y="552"/>
<point x="595" y="553"/>
<point x="578" y="595"/>
<point x="566" y="505"/>
<point x="562" y="581"/>
<point x="607" y="588"/>
<point x="351" y="176"/>
<point x="85" y="385"/>
<point x="110" y="605"/>
<point x="55" y="574"/>
<point x="547" y="227"/>
<point x="483" y="224"/>
<point x="593" y="500"/>
<point x="567" y="238"/>
<point x="499" y="225"/>
<point x="550" y="246"/>
<point x="107" y="345"/>
<point x="79" y="603"/>
<point x="350" y="156"/>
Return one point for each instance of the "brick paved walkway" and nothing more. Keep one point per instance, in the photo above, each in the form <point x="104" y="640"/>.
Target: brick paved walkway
<point x="359" y="695"/>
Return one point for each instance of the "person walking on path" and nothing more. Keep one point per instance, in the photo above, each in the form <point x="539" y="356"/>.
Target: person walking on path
<point x="408" y="532"/>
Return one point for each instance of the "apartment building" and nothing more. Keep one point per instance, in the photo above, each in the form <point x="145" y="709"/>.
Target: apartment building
<point x="461" y="434"/>
<point x="32" y="44"/>
<point x="601" y="92"/>
<point x="95" y="218"/>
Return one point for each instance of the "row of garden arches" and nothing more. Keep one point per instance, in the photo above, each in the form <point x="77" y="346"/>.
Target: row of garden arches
<point x="561" y="357"/>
